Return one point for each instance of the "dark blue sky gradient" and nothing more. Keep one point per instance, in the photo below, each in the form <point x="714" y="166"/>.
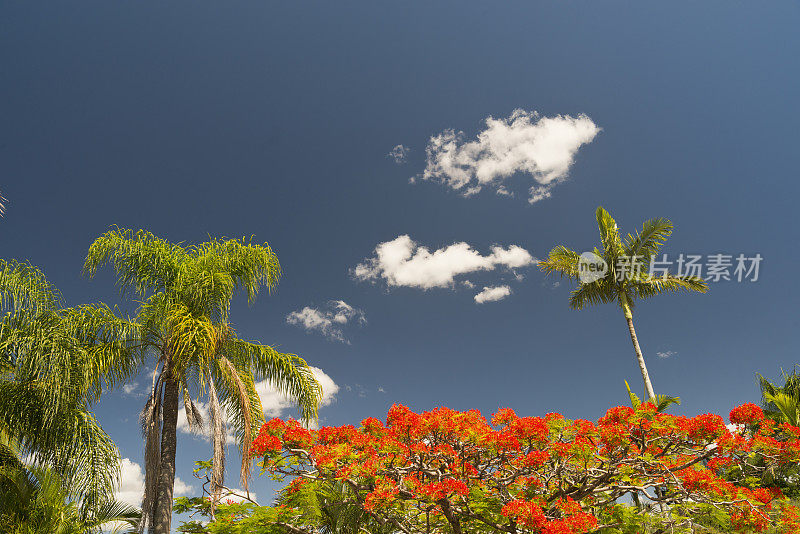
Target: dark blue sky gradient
<point x="273" y="119"/>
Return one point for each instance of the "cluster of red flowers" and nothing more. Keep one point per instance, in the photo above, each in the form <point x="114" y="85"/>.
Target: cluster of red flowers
<point x="446" y="488"/>
<point x="546" y="475"/>
<point x="746" y="414"/>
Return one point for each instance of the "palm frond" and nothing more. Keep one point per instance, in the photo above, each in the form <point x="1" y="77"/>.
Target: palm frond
<point x="289" y="374"/>
<point x="143" y="262"/>
<point x="786" y="405"/>
<point x="218" y="436"/>
<point x="609" y="235"/>
<point x="635" y="402"/>
<point x="23" y="286"/>
<point x="645" y="243"/>
<point x="562" y="261"/>
<point x="251" y="266"/>
<point x="598" y="292"/>
<point x="240" y="402"/>
<point x="663" y="402"/>
<point x="193" y="416"/>
<point x="649" y="287"/>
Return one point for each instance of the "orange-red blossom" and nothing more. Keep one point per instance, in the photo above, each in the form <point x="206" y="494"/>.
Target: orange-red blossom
<point x="543" y="475"/>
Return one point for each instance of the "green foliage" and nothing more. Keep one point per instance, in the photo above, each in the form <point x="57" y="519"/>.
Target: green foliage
<point x="661" y="402"/>
<point x="53" y="364"/>
<point x="35" y="501"/>
<point x="781" y="403"/>
<point x="329" y="507"/>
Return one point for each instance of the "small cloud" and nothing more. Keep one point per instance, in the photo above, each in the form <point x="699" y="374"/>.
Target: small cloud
<point x="404" y="263"/>
<point x="551" y="284"/>
<point x="399" y="154"/>
<point x="469" y="191"/>
<point x="666" y="354"/>
<point x="492" y="294"/>
<point x="328" y="320"/>
<point x="542" y="147"/>
<point x="381" y="390"/>
<point x="502" y="191"/>
<point x="358" y="389"/>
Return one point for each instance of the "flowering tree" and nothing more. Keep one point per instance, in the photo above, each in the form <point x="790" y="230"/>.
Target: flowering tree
<point x="453" y="472"/>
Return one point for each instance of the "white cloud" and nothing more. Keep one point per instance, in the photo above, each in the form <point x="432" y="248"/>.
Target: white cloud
<point x="666" y="354"/>
<point x="274" y="403"/>
<point x="492" y="294"/>
<point x="402" y="262"/>
<point x="131" y="486"/>
<point x="130" y="389"/>
<point x="543" y="147"/>
<point x="328" y="321"/>
<point x="399" y="154"/>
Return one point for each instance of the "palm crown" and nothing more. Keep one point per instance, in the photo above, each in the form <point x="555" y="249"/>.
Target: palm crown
<point x="636" y="250"/>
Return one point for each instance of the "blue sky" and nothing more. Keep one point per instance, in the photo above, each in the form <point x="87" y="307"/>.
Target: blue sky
<point x="275" y="120"/>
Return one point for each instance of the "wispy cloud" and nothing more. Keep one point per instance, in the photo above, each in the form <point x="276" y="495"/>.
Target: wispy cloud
<point x="399" y="154"/>
<point x="666" y="354"/>
<point x="525" y="142"/>
<point x="404" y="263"/>
<point x="131" y="389"/>
<point x="328" y="320"/>
<point x="492" y="294"/>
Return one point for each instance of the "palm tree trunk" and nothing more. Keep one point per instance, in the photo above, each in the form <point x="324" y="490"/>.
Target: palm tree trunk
<point x="648" y="386"/>
<point x="162" y="516"/>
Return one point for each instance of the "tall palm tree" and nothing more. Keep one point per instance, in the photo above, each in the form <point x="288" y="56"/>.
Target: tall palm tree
<point x="636" y="252"/>
<point x="53" y="364"/>
<point x="187" y="292"/>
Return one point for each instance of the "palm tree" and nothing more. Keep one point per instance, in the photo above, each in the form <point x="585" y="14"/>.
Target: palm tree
<point x="187" y="292"/>
<point x="35" y="500"/>
<point x="635" y="253"/>
<point x="53" y="363"/>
